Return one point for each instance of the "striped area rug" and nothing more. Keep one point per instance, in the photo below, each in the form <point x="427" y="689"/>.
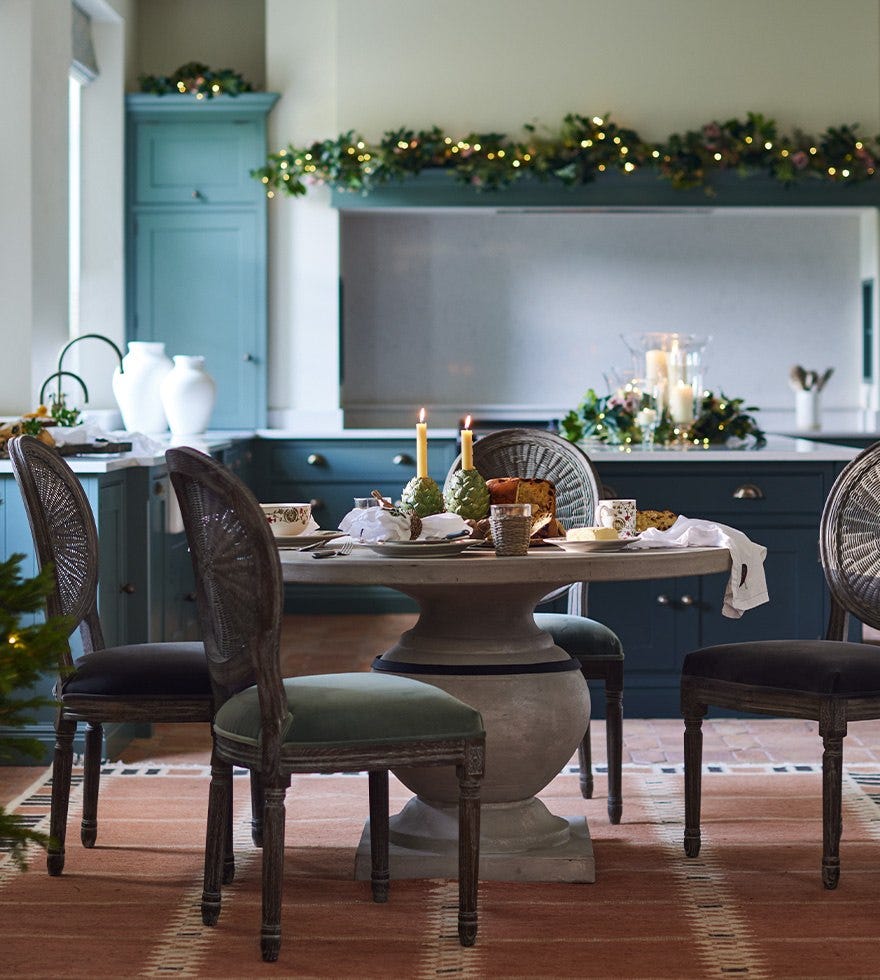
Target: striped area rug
<point x="751" y="905"/>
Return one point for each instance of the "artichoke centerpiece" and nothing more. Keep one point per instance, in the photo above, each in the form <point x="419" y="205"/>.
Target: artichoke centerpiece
<point x="422" y="497"/>
<point x="467" y="495"/>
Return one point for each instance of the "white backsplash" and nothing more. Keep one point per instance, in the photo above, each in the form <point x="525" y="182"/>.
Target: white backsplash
<point x="519" y="313"/>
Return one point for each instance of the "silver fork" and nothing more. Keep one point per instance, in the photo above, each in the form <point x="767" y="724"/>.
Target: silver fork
<point x="343" y="549"/>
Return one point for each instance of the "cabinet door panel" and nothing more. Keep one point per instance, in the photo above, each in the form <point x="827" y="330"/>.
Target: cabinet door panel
<point x="210" y="163"/>
<point x="194" y="279"/>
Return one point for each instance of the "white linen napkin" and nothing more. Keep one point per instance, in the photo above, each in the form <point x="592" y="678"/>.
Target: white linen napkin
<point x="379" y="524"/>
<point x="747" y="585"/>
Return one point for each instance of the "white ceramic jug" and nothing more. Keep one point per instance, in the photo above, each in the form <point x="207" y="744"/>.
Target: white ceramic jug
<point x="136" y="387"/>
<point x="188" y="394"/>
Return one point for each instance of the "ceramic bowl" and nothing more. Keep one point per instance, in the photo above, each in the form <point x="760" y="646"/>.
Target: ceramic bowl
<point x="287" y="520"/>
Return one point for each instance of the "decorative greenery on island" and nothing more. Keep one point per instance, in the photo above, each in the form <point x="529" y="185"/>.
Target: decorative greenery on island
<point x="196" y="79"/>
<point x="582" y="149"/>
<point x="26" y="653"/>
<point x="612" y="419"/>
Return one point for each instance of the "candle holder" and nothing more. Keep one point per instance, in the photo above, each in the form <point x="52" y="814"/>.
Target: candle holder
<point x="422" y="496"/>
<point x="467" y="495"/>
<point x="666" y="360"/>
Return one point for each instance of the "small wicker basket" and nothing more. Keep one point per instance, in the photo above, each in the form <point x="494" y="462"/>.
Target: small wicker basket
<point x="510" y="535"/>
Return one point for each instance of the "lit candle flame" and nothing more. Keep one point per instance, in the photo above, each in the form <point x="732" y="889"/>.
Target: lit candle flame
<point x="422" y="415"/>
<point x="467" y="422"/>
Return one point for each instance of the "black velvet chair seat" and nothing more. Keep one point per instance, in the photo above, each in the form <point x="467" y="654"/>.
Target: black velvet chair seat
<point x="806" y="666"/>
<point x="142" y="671"/>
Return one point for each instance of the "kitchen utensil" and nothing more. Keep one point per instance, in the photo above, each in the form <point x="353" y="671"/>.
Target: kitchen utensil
<point x="797" y="377"/>
<point x="340" y="552"/>
<point x="823" y="380"/>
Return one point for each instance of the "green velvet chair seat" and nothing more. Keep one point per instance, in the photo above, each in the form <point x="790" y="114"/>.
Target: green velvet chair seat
<point x="343" y="709"/>
<point x="581" y="638"/>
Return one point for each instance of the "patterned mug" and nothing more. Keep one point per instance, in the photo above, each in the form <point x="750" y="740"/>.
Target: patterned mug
<point x="619" y="514"/>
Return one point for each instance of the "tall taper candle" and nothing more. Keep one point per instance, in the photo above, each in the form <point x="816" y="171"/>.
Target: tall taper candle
<point x="467" y="445"/>
<point x="421" y="446"/>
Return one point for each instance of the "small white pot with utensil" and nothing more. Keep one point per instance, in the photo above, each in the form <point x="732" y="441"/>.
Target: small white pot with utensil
<point x="807" y="386"/>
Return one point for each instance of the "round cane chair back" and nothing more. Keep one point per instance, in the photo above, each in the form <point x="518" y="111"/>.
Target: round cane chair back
<point x="850" y="537"/>
<point x="63" y="530"/>
<point x="537" y="454"/>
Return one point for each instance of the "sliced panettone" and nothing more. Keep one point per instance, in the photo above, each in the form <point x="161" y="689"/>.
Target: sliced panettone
<point x="541" y="494"/>
<point x="661" y="519"/>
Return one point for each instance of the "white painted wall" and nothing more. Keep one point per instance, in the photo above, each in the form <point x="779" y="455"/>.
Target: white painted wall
<point x="657" y="66"/>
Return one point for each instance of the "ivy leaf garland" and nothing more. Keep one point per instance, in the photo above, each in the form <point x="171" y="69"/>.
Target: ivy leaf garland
<point x="196" y="79"/>
<point x="612" y="419"/>
<point x="577" y="153"/>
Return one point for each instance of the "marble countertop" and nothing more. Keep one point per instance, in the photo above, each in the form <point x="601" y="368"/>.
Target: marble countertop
<point x="778" y="449"/>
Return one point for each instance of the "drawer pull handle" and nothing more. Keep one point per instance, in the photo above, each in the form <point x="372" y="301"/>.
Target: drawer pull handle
<point x="316" y="503"/>
<point x="402" y="459"/>
<point x="748" y="491"/>
<point x="196" y="195"/>
<point x="315" y="459"/>
<point x="687" y="600"/>
<point x="128" y="588"/>
<point x="663" y="600"/>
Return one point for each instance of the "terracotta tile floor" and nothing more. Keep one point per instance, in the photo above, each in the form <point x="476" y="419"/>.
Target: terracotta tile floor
<point x="342" y="643"/>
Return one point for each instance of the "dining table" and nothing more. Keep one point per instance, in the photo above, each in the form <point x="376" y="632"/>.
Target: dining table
<point x="476" y="637"/>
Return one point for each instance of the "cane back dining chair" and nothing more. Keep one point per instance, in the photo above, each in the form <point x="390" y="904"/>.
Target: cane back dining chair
<point x="144" y="682"/>
<point x="315" y="724"/>
<point x="831" y="681"/>
<point x="538" y="454"/>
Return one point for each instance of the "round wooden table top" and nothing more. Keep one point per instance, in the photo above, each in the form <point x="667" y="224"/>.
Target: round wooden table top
<point x="548" y="566"/>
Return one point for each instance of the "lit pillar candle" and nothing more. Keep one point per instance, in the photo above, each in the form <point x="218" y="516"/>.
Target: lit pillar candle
<point x="467" y="445"/>
<point x="681" y="402"/>
<point x="655" y="365"/>
<point x="421" y="446"/>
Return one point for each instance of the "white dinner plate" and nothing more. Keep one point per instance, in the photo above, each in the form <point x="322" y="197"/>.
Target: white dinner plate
<point x="301" y="540"/>
<point x="419" y="549"/>
<point x="585" y="546"/>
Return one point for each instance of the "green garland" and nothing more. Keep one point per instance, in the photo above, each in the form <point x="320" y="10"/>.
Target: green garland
<point x="612" y="420"/>
<point x="196" y="79"/>
<point x="582" y="149"/>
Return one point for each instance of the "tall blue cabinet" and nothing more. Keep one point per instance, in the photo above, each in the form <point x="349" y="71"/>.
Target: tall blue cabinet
<point x="196" y="239"/>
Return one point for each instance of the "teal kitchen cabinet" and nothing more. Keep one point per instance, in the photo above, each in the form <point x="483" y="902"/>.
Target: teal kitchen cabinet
<point x="329" y="474"/>
<point x="776" y="505"/>
<point x="196" y="240"/>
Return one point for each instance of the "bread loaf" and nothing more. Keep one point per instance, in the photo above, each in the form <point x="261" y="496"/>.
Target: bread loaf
<point x="661" y="519"/>
<point x="541" y="494"/>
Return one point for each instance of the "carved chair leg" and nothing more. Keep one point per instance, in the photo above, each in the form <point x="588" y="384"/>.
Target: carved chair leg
<point x="693" y="764"/>
<point x="614" y="742"/>
<point x="228" y="847"/>
<point x="469" y="777"/>
<point x="832" y="728"/>
<point x="585" y="764"/>
<point x="62" y="764"/>
<point x="273" y="871"/>
<point x="219" y="796"/>
<point x="94" y="745"/>
<point x="256" y="809"/>
<point x="379" y="875"/>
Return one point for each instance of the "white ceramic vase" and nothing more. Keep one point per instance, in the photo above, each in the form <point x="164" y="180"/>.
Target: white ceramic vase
<point x="188" y="395"/>
<point x="136" y="387"/>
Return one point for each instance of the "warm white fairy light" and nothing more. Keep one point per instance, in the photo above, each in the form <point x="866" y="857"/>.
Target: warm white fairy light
<point x="515" y="163"/>
<point x="718" y="157"/>
<point x="598" y="120"/>
<point x="768" y="145"/>
<point x="629" y="167"/>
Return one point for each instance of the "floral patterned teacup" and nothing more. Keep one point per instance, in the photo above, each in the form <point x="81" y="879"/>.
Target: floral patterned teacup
<point x="287" y="520"/>
<point x="619" y="514"/>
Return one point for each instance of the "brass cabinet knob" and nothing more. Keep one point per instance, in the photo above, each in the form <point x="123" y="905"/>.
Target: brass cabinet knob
<point x="687" y="600"/>
<point x="158" y="488"/>
<point x="189" y="597"/>
<point x="748" y="491"/>
<point x="663" y="600"/>
<point x="316" y="503"/>
<point x="127" y="588"/>
<point x="402" y="459"/>
<point x="315" y="459"/>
